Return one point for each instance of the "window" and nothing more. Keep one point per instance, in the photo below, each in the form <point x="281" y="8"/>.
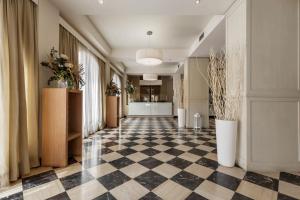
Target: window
<point x="92" y="95"/>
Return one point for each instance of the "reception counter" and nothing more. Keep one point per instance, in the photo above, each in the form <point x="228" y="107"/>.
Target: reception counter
<point x="150" y="108"/>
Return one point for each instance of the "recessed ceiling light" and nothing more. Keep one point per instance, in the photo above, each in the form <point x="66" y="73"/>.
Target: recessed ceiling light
<point x="197" y="1"/>
<point x="101" y="2"/>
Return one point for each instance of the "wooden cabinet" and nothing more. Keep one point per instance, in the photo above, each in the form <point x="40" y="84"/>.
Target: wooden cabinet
<point x="150" y="108"/>
<point x="61" y="126"/>
<point x="112" y="111"/>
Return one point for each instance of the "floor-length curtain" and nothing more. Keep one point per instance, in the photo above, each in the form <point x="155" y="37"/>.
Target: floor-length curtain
<point x="18" y="89"/>
<point x="92" y="101"/>
<point x="68" y="45"/>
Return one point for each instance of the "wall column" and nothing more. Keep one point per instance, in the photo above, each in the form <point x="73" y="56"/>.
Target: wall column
<point x="267" y="31"/>
<point x="196" y="90"/>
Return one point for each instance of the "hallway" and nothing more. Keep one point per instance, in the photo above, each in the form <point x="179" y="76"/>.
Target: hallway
<point x="149" y="158"/>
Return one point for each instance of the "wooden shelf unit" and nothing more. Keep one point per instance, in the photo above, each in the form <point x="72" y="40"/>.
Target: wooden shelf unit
<point x="112" y="111"/>
<point x="61" y="126"/>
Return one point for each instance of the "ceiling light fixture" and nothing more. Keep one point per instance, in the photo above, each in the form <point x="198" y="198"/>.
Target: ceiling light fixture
<point x="101" y="2"/>
<point x="150" y="77"/>
<point x="197" y="1"/>
<point x="149" y="56"/>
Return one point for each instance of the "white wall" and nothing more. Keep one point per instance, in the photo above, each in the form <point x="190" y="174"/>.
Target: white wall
<point x="270" y="139"/>
<point x="48" y="34"/>
<point x="48" y="37"/>
<point x="196" y="90"/>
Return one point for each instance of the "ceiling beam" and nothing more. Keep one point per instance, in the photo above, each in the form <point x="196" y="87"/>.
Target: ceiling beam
<point x="214" y="38"/>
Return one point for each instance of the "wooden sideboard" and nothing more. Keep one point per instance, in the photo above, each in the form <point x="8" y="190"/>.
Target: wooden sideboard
<point x="61" y="126"/>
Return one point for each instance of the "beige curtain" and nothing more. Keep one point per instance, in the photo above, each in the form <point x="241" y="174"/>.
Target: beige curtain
<point x="68" y="44"/>
<point x="18" y="89"/>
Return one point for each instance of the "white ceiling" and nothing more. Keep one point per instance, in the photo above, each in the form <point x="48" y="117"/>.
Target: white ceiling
<point x="144" y="7"/>
<point x="214" y="39"/>
<point x="169" y="31"/>
<point x="123" y="24"/>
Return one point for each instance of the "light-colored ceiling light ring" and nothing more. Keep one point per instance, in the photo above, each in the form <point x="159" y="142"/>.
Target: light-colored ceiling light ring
<point x="149" y="56"/>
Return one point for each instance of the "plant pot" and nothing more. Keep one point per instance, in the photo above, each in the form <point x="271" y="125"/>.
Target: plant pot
<point x="130" y="98"/>
<point x="62" y="83"/>
<point x="226" y="133"/>
<point x="181" y="117"/>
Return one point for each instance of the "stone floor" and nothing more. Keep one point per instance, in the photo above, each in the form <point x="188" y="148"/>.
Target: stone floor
<point x="149" y="159"/>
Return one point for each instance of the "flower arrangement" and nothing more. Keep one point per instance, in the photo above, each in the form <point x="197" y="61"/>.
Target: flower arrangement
<point x="112" y="89"/>
<point x="63" y="70"/>
<point x="130" y="89"/>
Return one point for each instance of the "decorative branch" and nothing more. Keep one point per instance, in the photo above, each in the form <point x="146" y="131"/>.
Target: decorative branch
<point x="217" y="82"/>
<point x="234" y="74"/>
<point x="226" y="102"/>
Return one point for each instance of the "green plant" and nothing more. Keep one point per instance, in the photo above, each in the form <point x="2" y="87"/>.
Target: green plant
<point x="64" y="70"/>
<point x="112" y="89"/>
<point x="130" y="89"/>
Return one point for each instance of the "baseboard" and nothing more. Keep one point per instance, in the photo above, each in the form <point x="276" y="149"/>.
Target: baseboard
<point x="273" y="167"/>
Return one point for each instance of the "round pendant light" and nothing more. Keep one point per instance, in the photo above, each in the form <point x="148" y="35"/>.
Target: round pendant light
<point x="149" y="56"/>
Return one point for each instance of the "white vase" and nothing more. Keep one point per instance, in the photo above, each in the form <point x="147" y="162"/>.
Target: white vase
<point x="181" y="117"/>
<point x="226" y="133"/>
<point x="62" y="84"/>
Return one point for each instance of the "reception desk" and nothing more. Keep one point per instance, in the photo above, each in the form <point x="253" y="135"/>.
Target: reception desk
<point x="150" y="108"/>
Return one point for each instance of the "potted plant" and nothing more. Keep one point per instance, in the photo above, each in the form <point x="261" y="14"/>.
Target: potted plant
<point x="65" y="73"/>
<point x="226" y="106"/>
<point x="112" y="104"/>
<point x="112" y="89"/>
<point x="130" y="90"/>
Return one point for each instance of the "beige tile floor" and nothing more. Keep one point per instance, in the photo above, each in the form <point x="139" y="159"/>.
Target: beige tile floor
<point x="151" y="159"/>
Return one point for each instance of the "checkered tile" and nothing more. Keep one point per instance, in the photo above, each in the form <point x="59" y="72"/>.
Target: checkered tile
<point x="150" y="159"/>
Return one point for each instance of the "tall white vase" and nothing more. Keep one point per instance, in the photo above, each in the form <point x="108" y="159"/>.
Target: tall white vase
<point x="181" y="117"/>
<point x="226" y="133"/>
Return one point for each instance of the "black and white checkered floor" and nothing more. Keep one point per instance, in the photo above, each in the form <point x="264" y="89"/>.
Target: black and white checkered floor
<point x="149" y="159"/>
